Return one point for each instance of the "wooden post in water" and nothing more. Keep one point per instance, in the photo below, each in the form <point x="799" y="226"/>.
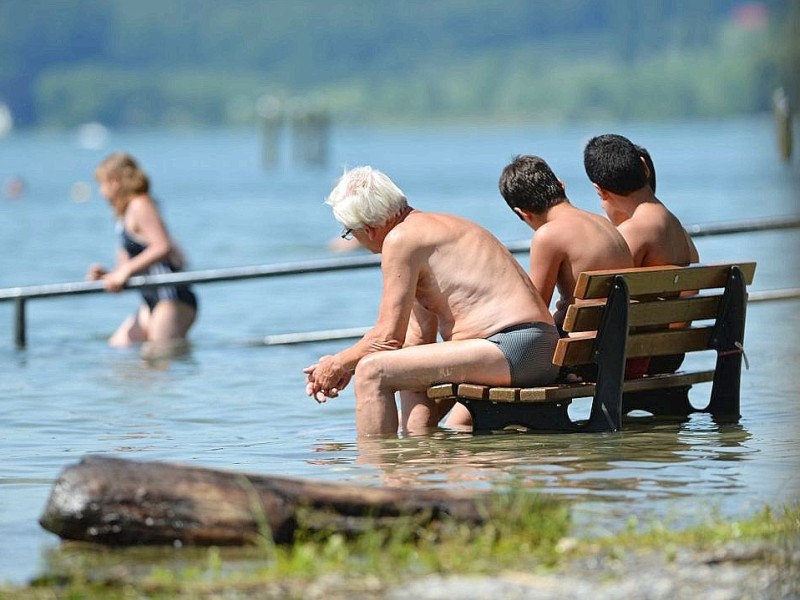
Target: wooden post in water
<point x="310" y="132"/>
<point x="299" y="132"/>
<point x="270" y="114"/>
<point x="316" y="149"/>
<point x="782" y="110"/>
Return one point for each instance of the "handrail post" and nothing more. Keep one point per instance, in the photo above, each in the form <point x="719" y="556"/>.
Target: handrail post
<point x="19" y="322"/>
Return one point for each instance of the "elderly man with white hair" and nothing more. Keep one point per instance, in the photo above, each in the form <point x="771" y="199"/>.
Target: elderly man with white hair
<point x="445" y="275"/>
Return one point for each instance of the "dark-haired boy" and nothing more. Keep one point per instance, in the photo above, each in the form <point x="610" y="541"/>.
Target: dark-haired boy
<point x="568" y="240"/>
<point x="619" y="172"/>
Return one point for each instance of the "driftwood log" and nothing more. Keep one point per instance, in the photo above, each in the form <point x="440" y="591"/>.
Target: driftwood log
<point x="123" y="502"/>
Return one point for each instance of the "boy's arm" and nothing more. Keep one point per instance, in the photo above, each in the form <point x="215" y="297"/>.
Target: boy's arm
<point x="636" y="239"/>
<point x="546" y="258"/>
<point x="693" y="253"/>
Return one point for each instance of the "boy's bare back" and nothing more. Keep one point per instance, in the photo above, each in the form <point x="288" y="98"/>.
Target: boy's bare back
<point x="570" y="242"/>
<point x="656" y="237"/>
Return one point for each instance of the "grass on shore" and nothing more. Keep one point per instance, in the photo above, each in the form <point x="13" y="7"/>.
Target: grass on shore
<point x="533" y="534"/>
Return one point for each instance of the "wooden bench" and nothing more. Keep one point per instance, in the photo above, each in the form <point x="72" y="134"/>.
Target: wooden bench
<point x="621" y="315"/>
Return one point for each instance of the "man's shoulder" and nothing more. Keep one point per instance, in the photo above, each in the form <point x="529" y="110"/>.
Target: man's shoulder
<point x="423" y="219"/>
<point x="423" y="229"/>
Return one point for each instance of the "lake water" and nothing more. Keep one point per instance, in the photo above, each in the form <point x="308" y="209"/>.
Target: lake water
<point x="231" y="404"/>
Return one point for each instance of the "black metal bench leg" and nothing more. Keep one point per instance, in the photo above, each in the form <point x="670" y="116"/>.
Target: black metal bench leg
<point x="609" y="355"/>
<point x="728" y="340"/>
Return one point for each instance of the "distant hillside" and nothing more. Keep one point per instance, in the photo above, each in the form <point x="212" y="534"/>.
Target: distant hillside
<point x="203" y="62"/>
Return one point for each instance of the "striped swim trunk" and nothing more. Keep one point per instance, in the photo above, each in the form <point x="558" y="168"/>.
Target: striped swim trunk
<point x="529" y="349"/>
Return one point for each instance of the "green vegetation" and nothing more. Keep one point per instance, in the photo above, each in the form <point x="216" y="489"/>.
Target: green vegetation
<point x="199" y="62"/>
<point x="531" y="537"/>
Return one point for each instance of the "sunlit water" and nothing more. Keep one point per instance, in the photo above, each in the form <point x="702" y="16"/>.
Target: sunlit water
<point x="232" y="404"/>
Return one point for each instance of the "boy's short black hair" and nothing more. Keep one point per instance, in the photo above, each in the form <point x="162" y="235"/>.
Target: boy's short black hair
<point x="614" y="164"/>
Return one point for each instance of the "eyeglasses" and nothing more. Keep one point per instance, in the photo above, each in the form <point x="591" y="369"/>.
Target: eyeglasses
<point x="347" y="234"/>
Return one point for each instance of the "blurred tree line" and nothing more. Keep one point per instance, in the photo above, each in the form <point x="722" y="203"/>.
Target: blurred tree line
<point x="205" y="62"/>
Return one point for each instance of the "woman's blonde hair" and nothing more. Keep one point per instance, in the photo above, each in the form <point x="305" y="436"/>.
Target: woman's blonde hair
<point x="133" y="181"/>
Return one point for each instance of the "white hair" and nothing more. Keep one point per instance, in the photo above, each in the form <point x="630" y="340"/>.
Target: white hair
<point x="365" y="196"/>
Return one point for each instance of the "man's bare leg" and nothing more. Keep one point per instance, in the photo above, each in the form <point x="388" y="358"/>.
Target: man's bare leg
<point x="418" y="414"/>
<point x="379" y="375"/>
<point x="459" y="417"/>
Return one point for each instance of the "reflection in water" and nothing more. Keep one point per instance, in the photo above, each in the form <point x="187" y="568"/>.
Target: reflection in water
<point x="159" y="355"/>
<point x="644" y="462"/>
<point x="147" y="370"/>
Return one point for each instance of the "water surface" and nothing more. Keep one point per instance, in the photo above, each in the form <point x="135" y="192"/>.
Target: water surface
<point x="233" y="405"/>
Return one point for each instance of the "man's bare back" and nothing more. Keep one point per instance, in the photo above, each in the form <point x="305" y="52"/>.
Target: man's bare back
<point x="466" y="277"/>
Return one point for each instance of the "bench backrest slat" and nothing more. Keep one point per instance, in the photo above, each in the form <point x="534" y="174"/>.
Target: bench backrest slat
<point x="586" y="317"/>
<point x="578" y="350"/>
<point x="672" y="341"/>
<point x="659" y="280"/>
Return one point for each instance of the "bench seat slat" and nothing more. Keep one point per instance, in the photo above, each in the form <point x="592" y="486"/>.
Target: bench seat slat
<point x="578" y="350"/>
<point x="471" y="390"/>
<point x="442" y="390"/>
<point x="549" y="393"/>
<point x="586" y="317"/>
<point x="504" y="394"/>
<point x="659" y="280"/>
<point x="566" y="391"/>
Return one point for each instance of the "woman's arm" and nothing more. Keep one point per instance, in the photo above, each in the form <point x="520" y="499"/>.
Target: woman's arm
<point x="144" y="221"/>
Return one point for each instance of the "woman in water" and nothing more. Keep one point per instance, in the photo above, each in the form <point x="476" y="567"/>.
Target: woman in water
<point x="168" y="311"/>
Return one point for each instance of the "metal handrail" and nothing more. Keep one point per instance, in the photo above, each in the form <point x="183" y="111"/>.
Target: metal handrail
<point x="187" y="277"/>
<point x="19" y="295"/>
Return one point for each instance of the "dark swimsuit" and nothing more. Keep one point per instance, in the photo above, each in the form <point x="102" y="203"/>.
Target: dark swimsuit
<point x="529" y="349"/>
<point x="152" y="296"/>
